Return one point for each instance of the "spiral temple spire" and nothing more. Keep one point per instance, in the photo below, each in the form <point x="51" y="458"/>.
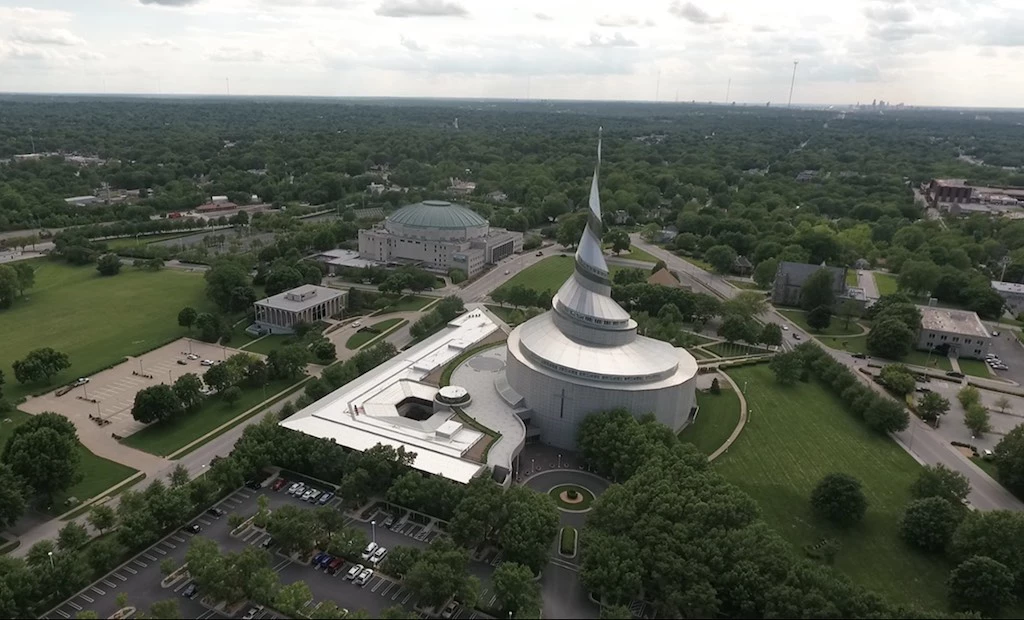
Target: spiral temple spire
<point x="590" y="261"/>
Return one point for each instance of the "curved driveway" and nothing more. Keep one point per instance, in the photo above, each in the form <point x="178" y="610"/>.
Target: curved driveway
<point x="546" y="480"/>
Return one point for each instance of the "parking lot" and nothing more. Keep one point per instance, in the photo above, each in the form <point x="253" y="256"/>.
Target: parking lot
<point x="110" y="394"/>
<point x="141" y="577"/>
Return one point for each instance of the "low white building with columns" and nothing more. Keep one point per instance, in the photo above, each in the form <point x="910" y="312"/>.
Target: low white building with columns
<point x="278" y="314"/>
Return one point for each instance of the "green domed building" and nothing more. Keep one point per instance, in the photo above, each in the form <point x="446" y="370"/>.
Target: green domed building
<point x="438" y="235"/>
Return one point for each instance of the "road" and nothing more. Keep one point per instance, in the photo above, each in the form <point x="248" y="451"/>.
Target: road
<point x="919" y="440"/>
<point x="866" y="281"/>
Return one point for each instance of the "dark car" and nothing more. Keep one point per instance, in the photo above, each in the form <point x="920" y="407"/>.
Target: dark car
<point x="860" y="356"/>
<point x="183" y="362"/>
<point x="955" y="374"/>
<point x="268" y="543"/>
<point x="316" y="559"/>
<point x="215" y="512"/>
<point x="191" y="591"/>
<point x="255" y="485"/>
<point x="193" y="529"/>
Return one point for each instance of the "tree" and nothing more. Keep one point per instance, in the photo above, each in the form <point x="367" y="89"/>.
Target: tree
<point x="1009" y="460"/>
<point x="104" y="554"/>
<point x="787" y="367"/>
<point x="1002" y="404"/>
<point x="735" y="327"/>
<point x="9" y="285"/>
<point x="929" y="523"/>
<point x="44" y="455"/>
<point x="440" y="573"/>
<point x="210" y="326"/>
<point x="884" y="415"/>
<point x="820" y="318"/>
<point x="968" y="396"/>
<point x="817" y="290"/>
<point x="529" y="526"/>
<point x="220" y="377"/>
<point x="456" y="275"/>
<point x="40" y="365"/>
<point x="187" y="317"/>
<point x="324" y="350"/>
<point x="932" y="406"/>
<point x="108" y="265"/>
<point x="86" y="614"/>
<point x="400" y="559"/>
<point x="764" y="273"/>
<point x="287" y="362"/>
<point x="615" y="612"/>
<point x="897" y="378"/>
<point x="981" y="584"/>
<point x="166" y="609"/>
<point x="12" y="498"/>
<point x="890" y="338"/>
<point x="168" y="566"/>
<point x="919" y="277"/>
<point x="156" y="403"/>
<point x="721" y="258"/>
<point x="629" y="275"/>
<point x="771" y="335"/>
<point x="223" y="277"/>
<point x="293" y="597"/>
<point x="838" y="498"/>
<point x="232" y="394"/>
<point x="516" y="589"/>
<point x="188" y="389"/>
<point x="619" y="240"/>
<point x="72" y="537"/>
<point x="940" y="481"/>
<point x="976" y="419"/>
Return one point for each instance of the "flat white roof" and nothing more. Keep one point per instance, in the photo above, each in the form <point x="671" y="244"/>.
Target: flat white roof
<point x="1008" y="287"/>
<point x="364" y="412"/>
<point x="959" y="322"/>
<point x="319" y="295"/>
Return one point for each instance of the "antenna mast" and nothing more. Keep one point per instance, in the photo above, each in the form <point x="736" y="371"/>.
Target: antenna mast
<point x="791" y="83"/>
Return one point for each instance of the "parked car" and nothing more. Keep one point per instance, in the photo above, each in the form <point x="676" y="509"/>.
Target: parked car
<point x="249" y="615"/>
<point x="378" y="555"/>
<point x="193" y="529"/>
<point x="191" y="591"/>
<point x="955" y="374"/>
<point x="215" y="512"/>
<point x="278" y="484"/>
<point x="316" y="558"/>
<point x="325" y="561"/>
<point x="335" y="564"/>
<point x="298" y="490"/>
<point x="315" y="496"/>
<point x="368" y="552"/>
<point x="192" y="356"/>
<point x="785" y="327"/>
<point x="995" y="333"/>
<point x="307" y="494"/>
<point x="364" y="577"/>
<point x="255" y="485"/>
<point x="293" y="488"/>
<point x="541" y="253"/>
<point x="860" y="356"/>
<point x="354" y="571"/>
<point x="796" y="336"/>
<point x="449" y="610"/>
<point x="182" y="362"/>
<point x="268" y="543"/>
<point x="206" y="363"/>
<point x="81" y="380"/>
<point x="326" y="497"/>
<point x="506" y="272"/>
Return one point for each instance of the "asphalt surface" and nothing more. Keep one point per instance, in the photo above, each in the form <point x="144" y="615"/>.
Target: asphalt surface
<point x="925" y="445"/>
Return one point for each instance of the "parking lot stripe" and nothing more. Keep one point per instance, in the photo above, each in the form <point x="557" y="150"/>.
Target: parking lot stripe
<point x="75" y="605"/>
<point x="385" y="590"/>
<point x="493" y="598"/>
<point x="398" y="593"/>
<point x="131" y="570"/>
<point x="120" y="577"/>
<point x="159" y="550"/>
<point x="205" y="522"/>
<point x="138" y="563"/>
<point x="149" y="557"/>
<point x="379" y="583"/>
<point x="182" y="584"/>
<point x="87" y="599"/>
<point x="109" y="584"/>
<point x="169" y="544"/>
<point x="407" y="597"/>
<point x="178" y="538"/>
<point x="97" y="591"/>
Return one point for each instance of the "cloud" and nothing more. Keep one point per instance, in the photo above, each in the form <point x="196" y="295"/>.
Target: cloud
<point x="1002" y="32"/>
<point x="412" y="45"/>
<point x="895" y="31"/>
<point x="842" y="72"/>
<point x="161" y="43"/>
<point x="52" y="36"/>
<point x="421" y="8"/>
<point x="694" y="14"/>
<point x="236" y="54"/>
<point x="889" y="12"/>
<point x="623" y="21"/>
<point x="615" y="41"/>
<point x="544" y="17"/>
<point x="169" y="2"/>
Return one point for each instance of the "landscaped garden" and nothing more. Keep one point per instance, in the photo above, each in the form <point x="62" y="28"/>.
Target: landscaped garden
<point x="95" y="320"/>
<point x="167" y="437"/>
<point x="732" y="349"/>
<point x="366" y="334"/>
<point x="567" y="541"/>
<point x="886" y="283"/>
<point x="572" y="497"/>
<point x="718" y="416"/>
<point x="796" y="435"/>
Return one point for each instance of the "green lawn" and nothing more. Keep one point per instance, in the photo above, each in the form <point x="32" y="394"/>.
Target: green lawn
<point x="743" y="284"/>
<point x="886" y="283"/>
<point x="796" y="435"/>
<point x="635" y="253"/>
<point x="836" y="328"/>
<point x="858" y="344"/>
<point x="360" y="338"/>
<point x="731" y="349"/>
<point x="718" y="416"/>
<point x="10" y="421"/>
<point x="502" y="312"/>
<point x="698" y="262"/>
<point x="700" y="354"/>
<point x="407" y="303"/>
<point x="163" y="439"/>
<point x="98" y="475"/>
<point x="240" y="337"/>
<point x="267" y="343"/>
<point x="96" y="320"/>
<point x="851" y="277"/>
<point x="132" y="242"/>
<point x="548" y="274"/>
<point x="975" y="368"/>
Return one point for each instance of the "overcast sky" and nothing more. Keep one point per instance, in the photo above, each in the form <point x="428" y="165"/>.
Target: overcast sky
<point x="923" y="52"/>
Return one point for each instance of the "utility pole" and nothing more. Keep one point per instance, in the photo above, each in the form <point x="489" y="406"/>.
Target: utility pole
<point x="791" y="83"/>
<point x="1004" y="262"/>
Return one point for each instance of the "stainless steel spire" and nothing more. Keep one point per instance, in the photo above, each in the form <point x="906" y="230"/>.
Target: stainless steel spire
<point x="589" y="253"/>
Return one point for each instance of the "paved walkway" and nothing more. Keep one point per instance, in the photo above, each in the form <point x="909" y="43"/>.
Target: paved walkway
<point x="739" y="427"/>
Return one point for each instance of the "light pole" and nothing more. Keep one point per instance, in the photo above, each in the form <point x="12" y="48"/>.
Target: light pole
<point x="744" y="386"/>
<point x="140" y="365"/>
<point x="373" y="531"/>
<point x="559" y="461"/>
<point x="169" y="381"/>
<point x="49" y="554"/>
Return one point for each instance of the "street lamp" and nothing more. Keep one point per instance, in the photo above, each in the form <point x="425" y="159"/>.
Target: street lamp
<point x="373" y="531"/>
<point x="559" y="461"/>
<point x="49" y="554"/>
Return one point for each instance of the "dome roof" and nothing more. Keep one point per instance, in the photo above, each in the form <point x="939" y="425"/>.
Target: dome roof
<point x="437" y="214"/>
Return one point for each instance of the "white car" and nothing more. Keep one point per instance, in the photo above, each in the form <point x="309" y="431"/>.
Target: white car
<point x="192" y="356"/>
<point x="315" y="495"/>
<point x="298" y="490"/>
<point x="307" y="494"/>
<point x="292" y="489"/>
<point x="785" y="328"/>
<point x="368" y="552"/>
<point x="354" y="572"/>
<point x="206" y="363"/>
<point x="364" y="577"/>
<point x="378" y="555"/>
<point x="357" y="324"/>
<point x="82" y="381"/>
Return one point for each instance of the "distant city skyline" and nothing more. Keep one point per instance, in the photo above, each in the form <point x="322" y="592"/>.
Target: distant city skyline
<point x="950" y="53"/>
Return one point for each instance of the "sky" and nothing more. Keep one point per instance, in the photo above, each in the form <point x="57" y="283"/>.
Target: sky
<point x="920" y="52"/>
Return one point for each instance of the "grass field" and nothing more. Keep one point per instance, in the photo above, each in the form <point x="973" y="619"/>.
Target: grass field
<point x="698" y="262"/>
<point x="133" y="242"/>
<point x="163" y="439"/>
<point x="718" y="416"/>
<point x="700" y="354"/>
<point x="635" y="253"/>
<point x="851" y="277"/>
<point x="266" y="344"/>
<point x="360" y="338"/>
<point x="858" y="344"/>
<point x="406" y="303"/>
<point x="795" y="436"/>
<point x="886" y="283"/>
<point x="96" y="320"/>
<point x="502" y="312"/>
<point x="975" y="368"/>
<point x="836" y="328"/>
<point x="730" y="349"/>
<point x="548" y="274"/>
<point x="743" y="284"/>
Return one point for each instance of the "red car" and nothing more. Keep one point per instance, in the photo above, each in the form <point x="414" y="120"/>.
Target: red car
<point x="280" y="483"/>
